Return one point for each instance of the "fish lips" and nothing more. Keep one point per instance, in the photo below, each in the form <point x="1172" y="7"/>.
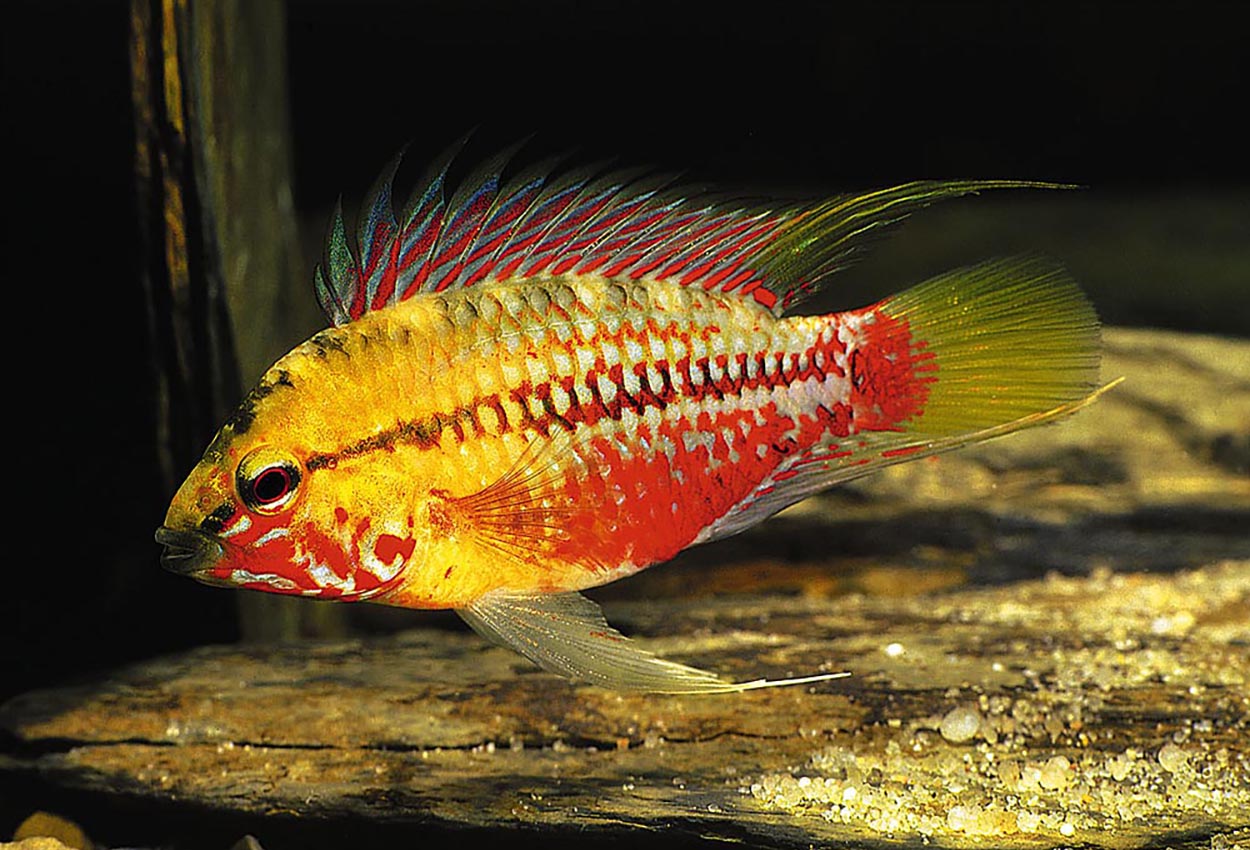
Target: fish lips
<point x="189" y="553"/>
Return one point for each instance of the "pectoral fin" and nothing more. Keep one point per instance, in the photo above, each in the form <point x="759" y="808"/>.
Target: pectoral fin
<point x="527" y="513"/>
<point x="566" y="633"/>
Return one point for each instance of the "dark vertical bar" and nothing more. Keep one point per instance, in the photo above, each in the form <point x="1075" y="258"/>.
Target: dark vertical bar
<point x="194" y="368"/>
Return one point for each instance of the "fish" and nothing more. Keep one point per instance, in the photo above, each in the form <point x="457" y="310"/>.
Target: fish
<point x="544" y="379"/>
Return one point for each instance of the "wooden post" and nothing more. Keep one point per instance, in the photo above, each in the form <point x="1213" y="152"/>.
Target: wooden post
<point x="222" y="270"/>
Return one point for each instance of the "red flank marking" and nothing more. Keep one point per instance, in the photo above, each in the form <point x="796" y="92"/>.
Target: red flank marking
<point x="389" y="547"/>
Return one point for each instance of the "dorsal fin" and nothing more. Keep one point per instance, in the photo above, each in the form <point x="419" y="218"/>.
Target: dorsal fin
<point x="619" y="223"/>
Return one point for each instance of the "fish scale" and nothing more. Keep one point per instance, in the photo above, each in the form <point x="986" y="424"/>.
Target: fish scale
<point x="549" y="383"/>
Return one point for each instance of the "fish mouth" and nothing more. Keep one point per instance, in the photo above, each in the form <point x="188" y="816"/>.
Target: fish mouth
<point x="188" y="553"/>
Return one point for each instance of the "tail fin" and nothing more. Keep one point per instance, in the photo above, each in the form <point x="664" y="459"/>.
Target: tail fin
<point x="1009" y="339"/>
<point x="973" y="354"/>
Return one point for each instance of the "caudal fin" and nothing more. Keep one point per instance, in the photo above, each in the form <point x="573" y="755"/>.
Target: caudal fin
<point x="967" y="356"/>
<point x="1004" y="340"/>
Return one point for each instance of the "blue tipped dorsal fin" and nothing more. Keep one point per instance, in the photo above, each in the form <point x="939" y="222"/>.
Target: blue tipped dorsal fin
<point x="619" y="223"/>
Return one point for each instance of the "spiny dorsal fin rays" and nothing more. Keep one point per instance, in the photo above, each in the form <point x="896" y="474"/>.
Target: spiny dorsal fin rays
<point x="514" y="202"/>
<point x="607" y="208"/>
<point x="420" y="226"/>
<point x="376" y="234"/>
<point x="566" y="633"/>
<point x="632" y="224"/>
<point x="619" y="223"/>
<point x="652" y="198"/>
<point x="558" y="194"/>
<point x="594" y="196"/>
<point x="475" y="199"/>
<point x="546" y="222"/>
<point x="335" y="280"/>
<point x="673" y="225"/>
<point x="393" y="253"/>
<point x="690" y="252"/>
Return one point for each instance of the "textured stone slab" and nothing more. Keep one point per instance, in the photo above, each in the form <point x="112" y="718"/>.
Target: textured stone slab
<point x="1102" y="710"/>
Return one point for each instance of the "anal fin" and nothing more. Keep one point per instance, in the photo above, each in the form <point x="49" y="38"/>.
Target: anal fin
<point x="566" y="633"/>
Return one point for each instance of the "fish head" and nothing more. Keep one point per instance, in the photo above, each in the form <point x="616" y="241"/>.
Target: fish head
<point x="230" y="521"/>
<point x="260" y="512"/>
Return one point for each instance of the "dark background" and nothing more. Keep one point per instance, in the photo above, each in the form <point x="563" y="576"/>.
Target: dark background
<point x="1136" y="101"/>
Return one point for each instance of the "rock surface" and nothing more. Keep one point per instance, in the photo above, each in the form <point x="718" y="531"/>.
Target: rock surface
<point x="1049" y="638"/>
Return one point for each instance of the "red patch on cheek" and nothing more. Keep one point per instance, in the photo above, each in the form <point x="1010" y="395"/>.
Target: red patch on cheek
<point x="276" y="556"/>
<point x="389" y="547"/>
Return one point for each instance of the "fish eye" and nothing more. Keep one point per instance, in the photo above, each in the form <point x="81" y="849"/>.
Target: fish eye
<point x="266" y="480"/>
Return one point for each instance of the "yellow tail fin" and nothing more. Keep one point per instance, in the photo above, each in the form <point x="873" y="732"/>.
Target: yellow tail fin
<point x="1010" y="339"/>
